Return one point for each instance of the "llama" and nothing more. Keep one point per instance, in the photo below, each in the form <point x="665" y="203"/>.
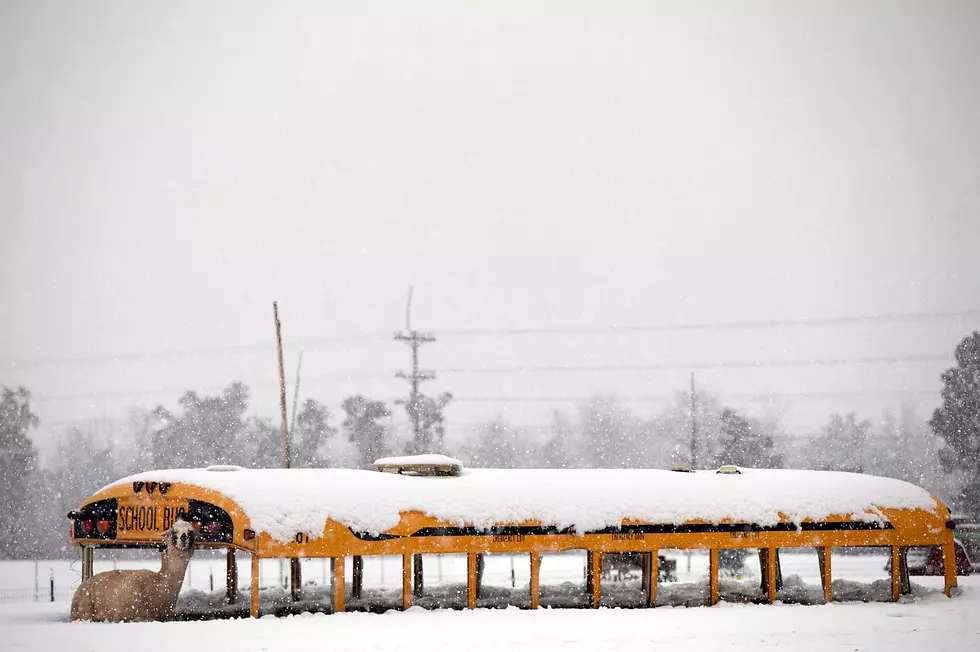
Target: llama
<point x="138" y="595"/>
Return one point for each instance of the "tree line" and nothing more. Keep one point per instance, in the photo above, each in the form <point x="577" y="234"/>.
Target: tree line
<point x="942" y="455"/>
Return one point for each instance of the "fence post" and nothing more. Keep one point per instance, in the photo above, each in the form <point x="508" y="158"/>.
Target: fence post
<point x="417" y="575"/>
<point x="231" y="577"/>
<point x="52" y="584"/>
<point x="87" y="562"/>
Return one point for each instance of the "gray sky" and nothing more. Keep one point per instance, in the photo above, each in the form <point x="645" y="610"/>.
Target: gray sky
<point x="169" y="169"/>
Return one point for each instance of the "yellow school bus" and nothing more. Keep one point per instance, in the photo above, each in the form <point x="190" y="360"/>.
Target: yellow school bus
<point x="431" y="505"/>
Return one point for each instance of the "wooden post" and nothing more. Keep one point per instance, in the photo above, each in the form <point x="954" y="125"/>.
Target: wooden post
<point x="779" y="569"/>
<point x="713" y="575"/>
<point x="358" y="576"/>
<point x="826" y="576"/>
<point x="654" y="578"/>
<point x="645" y="572"/>
<point x="406" y="581"/>
<point x="896" y="573"/>
<point x="282" y="388"/>
<point x="339" y="586"/>
<point x="949" y="566"/>
<point x="535" y="580"/>
<point x="479" y="575"/>
<point x="764" y="569"/>
<point x="87" y="562"/>
<point x="295" y="578"/>
<point x="231" y="577"/>
<point x="771" y="574"/>
<point x="471" y="563"/>
<point x="596" y="578"/>
<point x="588" y="572"/>
<point x="255" y="586"/>
<point x="417" y="575"/>
<point x="903" y="565"/>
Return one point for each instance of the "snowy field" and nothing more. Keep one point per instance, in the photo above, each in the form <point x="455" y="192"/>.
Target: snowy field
<point x="927" y="620"/>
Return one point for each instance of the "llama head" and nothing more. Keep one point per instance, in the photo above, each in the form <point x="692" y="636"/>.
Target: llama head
<point x="181" y="536"/>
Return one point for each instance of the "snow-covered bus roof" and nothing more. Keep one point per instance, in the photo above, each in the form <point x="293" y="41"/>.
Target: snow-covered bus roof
<point x="282" y="502"/>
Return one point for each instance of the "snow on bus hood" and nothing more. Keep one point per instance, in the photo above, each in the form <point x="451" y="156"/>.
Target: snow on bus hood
<point x="283" y="502"/>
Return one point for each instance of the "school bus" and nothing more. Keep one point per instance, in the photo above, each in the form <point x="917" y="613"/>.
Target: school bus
<point x="431" y="505"/>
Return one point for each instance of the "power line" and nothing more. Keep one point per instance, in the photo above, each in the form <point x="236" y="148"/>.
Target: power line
<point x="774" y="323"/>
<point x="723" y="396"/>
<point x="634" y="398"/>
<point x="631" y="398"/>
<point x="311" y="344"/>
<point x="626" y="368"/>
<point x="672" y="366"/>
<point x="43" y="398"/>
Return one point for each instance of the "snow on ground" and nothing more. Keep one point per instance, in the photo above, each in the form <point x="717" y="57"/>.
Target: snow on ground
<point x="283" y="502"/>
<point x="925" y="621"/>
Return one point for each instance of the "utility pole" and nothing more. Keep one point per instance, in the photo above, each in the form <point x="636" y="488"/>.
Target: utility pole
<point x="694" y="426"/>
<point x="295" y="570"/>
<point x="694" y="443"/>
<point x="282" y="387"/>
<point x="414" y="339"/>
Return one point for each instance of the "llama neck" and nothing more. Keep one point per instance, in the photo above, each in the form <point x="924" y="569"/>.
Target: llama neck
<point x="174" y="566"/>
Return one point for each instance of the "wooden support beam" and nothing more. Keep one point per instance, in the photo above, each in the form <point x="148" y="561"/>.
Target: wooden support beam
<point x="406" y="581"/>
<point x="358" y="582"/>
<point x="771" y="575"/>
<point x="417" y="575"/>
<point x="480" y="563"/>
<point x="255" y="586"/>
<point x="903" y="565"/>
<point x="231" y="577"/>
<point x="596" y="575"/>
<point x="645" y="572"/>
<point x="589" y="560"/>
<point x="535" y="580"/>
<point x="826" y="576"/>
<point x="295" y="579"/>
<point x="713" y="575"/>
<point x="471" y="580"/>
<point x="896" y="573"/>
<point x="779" y="569"/>
<point x="339" y="586"/>
<point x="654" y="578"/>
<point x="88" y="553"/>
<point x="949" y="568"/>
<point x="763" y="569"/>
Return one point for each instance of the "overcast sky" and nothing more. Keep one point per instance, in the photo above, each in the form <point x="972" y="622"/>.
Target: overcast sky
<point x="169" y="169"/>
